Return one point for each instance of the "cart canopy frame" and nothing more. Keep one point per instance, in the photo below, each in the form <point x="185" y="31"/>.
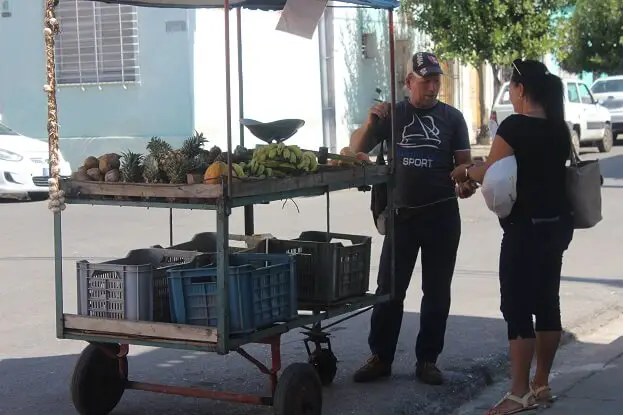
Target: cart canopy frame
<point x="250" y="4"/>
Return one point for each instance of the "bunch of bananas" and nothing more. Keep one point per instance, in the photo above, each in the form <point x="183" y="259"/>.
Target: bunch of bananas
<point x="279" y="160"/>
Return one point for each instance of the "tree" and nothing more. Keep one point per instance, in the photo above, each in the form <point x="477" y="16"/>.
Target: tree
<point x="592" y="39"/>
<point x="481" y="32"/>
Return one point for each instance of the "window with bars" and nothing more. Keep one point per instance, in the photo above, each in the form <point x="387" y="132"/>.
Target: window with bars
<point x="97" y="43"/>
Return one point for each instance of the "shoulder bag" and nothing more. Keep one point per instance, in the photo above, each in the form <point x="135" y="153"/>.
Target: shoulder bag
<point x="583" y="182"/>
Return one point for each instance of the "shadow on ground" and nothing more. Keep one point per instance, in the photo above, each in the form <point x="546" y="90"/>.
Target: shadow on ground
<point x="41" y="385"/>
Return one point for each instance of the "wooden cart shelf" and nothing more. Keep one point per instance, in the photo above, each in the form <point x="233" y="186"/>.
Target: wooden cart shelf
<point x="206" y="196"/>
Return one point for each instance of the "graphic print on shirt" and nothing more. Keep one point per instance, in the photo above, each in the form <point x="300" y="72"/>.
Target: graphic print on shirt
<point x="420" y="142"/>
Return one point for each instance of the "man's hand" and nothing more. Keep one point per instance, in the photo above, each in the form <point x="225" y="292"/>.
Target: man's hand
<point x="380" y="110"/>
<point x="466" y="189"/>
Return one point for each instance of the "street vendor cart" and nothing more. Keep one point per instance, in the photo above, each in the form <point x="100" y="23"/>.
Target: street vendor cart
<point x="205" y="295"/>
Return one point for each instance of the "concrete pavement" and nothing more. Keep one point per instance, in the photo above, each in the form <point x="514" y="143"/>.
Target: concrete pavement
<point x="35" y="367"/>
<point x="587" y="377"/>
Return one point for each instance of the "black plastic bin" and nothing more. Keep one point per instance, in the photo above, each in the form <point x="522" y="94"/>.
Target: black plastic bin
<point x="327" y="270"/>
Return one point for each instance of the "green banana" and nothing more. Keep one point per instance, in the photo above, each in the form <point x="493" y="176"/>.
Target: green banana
<point x="272" y="154"/>
<point x="269" y="172"/>
<point x="260" y="169"/>
<point x="286" y="154"/>
<point x="293" y="158"/>
<point x="296" y="150"/>
<point x="238" y="170"/>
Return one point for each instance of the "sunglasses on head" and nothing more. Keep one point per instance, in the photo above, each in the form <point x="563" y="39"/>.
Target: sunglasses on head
<point x="515" y="65"/>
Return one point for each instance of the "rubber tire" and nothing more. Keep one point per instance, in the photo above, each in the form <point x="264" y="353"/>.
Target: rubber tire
<point x="325" y="364"/>
<point x="575" y="139"/>
<point x="606" y="143"/>
<point x="299" y="391"/>
<point x="96" y="384"/>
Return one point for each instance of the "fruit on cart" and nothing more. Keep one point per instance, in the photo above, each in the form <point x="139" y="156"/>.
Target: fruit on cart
<point x="279" y="160"/>
<point x="214" y="173"/>
<point x="213" y="154"/>
<point x="112" y="176"/>
<point x="91" y="163"/>
<point x="109" y="161"/>
<point x="81" y="174"/>
<point x="158" y="148"/>
<point x="348" y="152"/>
<point x="131" y="167"/>
<point x="176" y="166"/>
<point x="151" y="170"/>
<point x="95" y="174"/>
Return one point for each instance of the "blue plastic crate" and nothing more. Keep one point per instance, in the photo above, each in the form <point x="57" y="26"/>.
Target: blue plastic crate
<point x="262" y="292"/>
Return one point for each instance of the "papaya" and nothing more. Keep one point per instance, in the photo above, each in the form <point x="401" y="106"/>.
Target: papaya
<point x="214" y="172"/>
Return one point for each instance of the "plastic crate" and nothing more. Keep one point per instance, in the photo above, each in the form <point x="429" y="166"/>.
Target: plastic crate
<point x="134" y="287"/>
<point x="262" y="292"/>
<point x="327" y="271"/>
<point x="206" y="242"/>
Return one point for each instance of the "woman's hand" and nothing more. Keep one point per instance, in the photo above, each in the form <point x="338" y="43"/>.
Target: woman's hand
<point x="459" y="174"/>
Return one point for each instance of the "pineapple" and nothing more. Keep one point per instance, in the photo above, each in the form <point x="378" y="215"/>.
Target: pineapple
<point x="157" y="147"/>
<point x="151" y="170"/>
<point x="176" y="166"/>
<point x="193" y="146"/>
<point x="131" y="167"/>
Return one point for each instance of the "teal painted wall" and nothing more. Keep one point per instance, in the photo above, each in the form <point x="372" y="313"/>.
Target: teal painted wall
<point x="161" y="104"/>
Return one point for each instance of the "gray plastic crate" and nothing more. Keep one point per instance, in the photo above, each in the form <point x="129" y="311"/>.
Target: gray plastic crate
<point x="206" y="242"/>
<point x="134" y="287"/>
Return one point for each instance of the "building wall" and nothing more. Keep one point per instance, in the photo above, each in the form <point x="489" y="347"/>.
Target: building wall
<point x="161" y="104"/>
<point x="284" y="81"/>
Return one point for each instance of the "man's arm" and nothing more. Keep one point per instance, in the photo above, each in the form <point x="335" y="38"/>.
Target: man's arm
<point x="373" y="130"/>
<point x="363" y="140"/>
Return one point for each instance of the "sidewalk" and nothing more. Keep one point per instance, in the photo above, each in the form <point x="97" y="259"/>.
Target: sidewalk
<point x="587" y="377"/>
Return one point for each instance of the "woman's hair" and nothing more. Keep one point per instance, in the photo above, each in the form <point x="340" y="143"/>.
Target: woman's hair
<point x="541" y="87"/>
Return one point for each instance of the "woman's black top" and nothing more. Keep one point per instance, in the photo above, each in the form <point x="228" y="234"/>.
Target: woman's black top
<point x="542" y="148"/>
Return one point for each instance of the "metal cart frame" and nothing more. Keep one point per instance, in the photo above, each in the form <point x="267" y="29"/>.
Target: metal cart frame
<point x="106" y="355"/>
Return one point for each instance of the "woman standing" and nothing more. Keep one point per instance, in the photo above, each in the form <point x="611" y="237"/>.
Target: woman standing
<point x="537" y="231"/>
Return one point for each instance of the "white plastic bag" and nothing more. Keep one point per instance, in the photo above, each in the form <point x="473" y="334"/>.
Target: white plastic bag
<point x="499" y="186"/>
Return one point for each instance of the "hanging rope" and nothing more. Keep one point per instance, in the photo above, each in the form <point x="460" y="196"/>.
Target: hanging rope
<point x="57" y="196"/>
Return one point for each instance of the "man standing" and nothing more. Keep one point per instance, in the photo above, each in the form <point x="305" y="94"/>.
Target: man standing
<point x="431" y="139"/>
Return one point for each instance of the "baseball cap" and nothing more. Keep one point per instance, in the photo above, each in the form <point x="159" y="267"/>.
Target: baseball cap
<point x="424" y="64"/>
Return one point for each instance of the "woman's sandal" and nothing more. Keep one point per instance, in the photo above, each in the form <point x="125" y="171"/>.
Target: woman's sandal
<point x="527" y="403"/>
<point x="542" y="394"/>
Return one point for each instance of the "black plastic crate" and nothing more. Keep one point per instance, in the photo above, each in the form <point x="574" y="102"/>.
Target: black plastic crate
<point x="327" y="270"/>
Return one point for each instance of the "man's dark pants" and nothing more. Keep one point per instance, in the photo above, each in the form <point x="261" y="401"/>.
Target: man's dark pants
<point x="435" y="230"/>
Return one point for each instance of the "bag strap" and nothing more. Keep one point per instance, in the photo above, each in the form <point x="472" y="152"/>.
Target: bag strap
<point x="574" y="157"/>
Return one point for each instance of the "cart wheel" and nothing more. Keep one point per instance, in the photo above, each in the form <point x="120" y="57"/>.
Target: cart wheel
<point x="325" y="363"/>
<point x="299" y="391"/>
<point x="97" y="384"/>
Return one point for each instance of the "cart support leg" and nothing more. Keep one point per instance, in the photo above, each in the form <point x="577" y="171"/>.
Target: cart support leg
<point x="275" y="352"/>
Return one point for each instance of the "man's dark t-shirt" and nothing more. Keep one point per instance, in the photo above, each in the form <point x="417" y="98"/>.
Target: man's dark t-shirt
<point x="426" y="140"/>
<point x="542" y="148"/>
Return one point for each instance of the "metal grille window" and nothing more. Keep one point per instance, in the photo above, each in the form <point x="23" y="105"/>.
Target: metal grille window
<point x="98" y="43"/>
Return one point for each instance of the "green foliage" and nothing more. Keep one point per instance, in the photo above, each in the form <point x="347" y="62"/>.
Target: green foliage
<point x="491" y="31"/>
<point x="592" y="39"/>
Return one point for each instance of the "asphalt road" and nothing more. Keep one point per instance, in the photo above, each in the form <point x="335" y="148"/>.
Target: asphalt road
<point x="35" y="367"/>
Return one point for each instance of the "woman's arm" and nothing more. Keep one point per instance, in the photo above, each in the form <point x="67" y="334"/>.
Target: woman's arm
<point x="476" y="172"/>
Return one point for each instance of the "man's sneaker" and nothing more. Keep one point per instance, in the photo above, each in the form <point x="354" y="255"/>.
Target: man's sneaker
<point x="374" y="369"/>
<point x="429" y="373"/>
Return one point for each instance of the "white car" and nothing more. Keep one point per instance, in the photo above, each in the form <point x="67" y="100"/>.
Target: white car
<point x="24" y="166"/>
<point x="608" y="91"/>
<point x="589" y="121"/>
